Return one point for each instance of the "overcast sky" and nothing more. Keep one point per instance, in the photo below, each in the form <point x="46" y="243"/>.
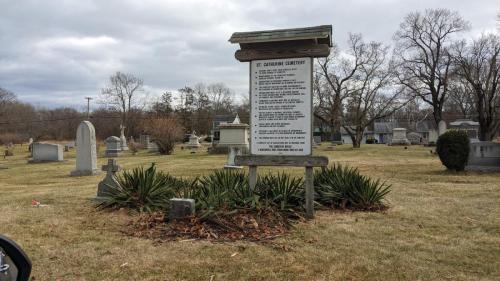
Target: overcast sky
<point x="54" y="53"/>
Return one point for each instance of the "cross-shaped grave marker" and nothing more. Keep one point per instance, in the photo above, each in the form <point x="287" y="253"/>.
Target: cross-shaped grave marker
<point x="109" y="182"/>
<point x="111" y="168"/>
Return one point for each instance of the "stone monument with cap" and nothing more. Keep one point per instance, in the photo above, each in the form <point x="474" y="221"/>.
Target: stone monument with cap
<point x="235" y="136"/>
<point x="113" y="146"/>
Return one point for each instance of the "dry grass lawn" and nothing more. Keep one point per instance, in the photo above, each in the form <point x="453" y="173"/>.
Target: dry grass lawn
<point x="441" y="226"/>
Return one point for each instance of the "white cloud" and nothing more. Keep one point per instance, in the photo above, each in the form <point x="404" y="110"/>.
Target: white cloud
<point x="57" y="52"/>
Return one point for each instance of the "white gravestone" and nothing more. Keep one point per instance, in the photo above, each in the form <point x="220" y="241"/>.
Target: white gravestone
<point x="399" y="137"/>
<point x="235" y="137"/>
<point x="46" y="152"/>
<point x="281" y="104"/>
<point x="193" y="141"/>
<point x="441" y="127"/>
<point x="113" y="146"/>
<point x="86" y="153"/>
<point x="123" y="139"/>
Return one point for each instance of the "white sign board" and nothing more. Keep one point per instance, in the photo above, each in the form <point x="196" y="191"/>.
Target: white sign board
<point x="281" y="106"/>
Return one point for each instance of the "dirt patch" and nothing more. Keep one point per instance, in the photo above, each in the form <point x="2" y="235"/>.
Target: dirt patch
<point x="237" y="225"/>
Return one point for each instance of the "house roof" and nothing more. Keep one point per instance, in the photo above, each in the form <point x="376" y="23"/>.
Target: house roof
<point x="425" y="126"/>
<point x="464" y="122"/>
<point x="223" y="118"/>
<point x="383" y="127"/>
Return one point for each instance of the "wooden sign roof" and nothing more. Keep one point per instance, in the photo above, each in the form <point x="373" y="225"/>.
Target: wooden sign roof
<point x="321" y="34"/>
<point x="283" y="43"/>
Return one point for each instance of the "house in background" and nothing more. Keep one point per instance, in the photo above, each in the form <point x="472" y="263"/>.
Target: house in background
<point x="346" y="138"/>
<point x="217" y="121"/>
<point x="427" y="130"/>
<point x="382" y="131"/>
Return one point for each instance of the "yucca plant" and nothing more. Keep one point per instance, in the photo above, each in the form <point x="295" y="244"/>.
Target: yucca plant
<point x="339" y="186"/>
<point x="282" y="191"/>
<point x="224" y="189"/>
<point x="142" y="189"/>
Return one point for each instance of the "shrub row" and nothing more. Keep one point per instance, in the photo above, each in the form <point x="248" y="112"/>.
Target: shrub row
<point x="224" y="191"/>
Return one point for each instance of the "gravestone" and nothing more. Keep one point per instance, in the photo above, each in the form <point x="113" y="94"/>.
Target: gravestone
<point x="46" y="152"/>
<point x="235" y="136"/>
<point x="86" y="153"/>
<point x="484" y="156"/>
<point x="109" y="182"/>
<point x="337" y="138"/>
<point x="317" y="140"/>
<point x="123" y="139"/>
<point x="30" y="146"/>
<point x="71" y="144"/>
<point x="399" y="137"/>
<point x="441" y="127"/>
<point x="153" y="147"/>
<point x="414" y="138"/>
<point x="181" y="208"/>
<point x="113" y="147"/>
<point x="145" y="141"/>
<point x="193" y="141"/>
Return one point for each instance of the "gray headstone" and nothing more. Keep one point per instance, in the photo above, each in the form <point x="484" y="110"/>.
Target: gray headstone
<point x="181" y="208"/>
<point x="484" y="156"/>
<point x="109" y="182"/>
<point x="441" y="127"/>
<point x="86" y="152"/>
<point x="399" y="137"/>
<point x="145" y="141"/>
<point x="46" y="152"/>
<point x="113" y="147"/>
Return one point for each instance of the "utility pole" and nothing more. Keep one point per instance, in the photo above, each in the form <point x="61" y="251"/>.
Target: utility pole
<point x="88" y="107"/>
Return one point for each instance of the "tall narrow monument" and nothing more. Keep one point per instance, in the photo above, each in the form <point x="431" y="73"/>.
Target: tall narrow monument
<point x="86" y="154"/>
<point x="123" y="139"/>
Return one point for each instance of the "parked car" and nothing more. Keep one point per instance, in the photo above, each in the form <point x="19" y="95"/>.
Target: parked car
<point x="14" y="263"/>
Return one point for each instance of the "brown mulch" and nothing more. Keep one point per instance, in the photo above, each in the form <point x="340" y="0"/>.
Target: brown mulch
<point x="238" y="225"/>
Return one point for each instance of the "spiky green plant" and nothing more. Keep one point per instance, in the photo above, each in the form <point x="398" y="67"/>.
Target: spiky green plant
<point x="345" y="187"/>
<point x="142" y="189"/>
<point x="223" y="190"/>
<point x="282" y="191"/>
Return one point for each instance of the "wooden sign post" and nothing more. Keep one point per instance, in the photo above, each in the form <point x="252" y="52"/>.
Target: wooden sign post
<point x="281" y="119"/>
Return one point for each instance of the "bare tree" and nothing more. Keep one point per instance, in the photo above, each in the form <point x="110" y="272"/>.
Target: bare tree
<point x="220" y="97"/>
<point x="6" y="98"/>
<point x="422" y="49"/>
<point x="372" y="98"/>
<point x="479" y="65"/>
<point x="460" y="98"/>
<point x="121" y="93"/>
<point x="333" y="81"/>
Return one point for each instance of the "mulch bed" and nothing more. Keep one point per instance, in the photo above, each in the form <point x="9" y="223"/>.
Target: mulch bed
<point x="237" y="225"/>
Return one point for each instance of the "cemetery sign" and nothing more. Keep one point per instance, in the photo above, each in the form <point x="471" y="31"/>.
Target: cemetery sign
<point x="281" y="64"/>
<point x="281" y="106"/>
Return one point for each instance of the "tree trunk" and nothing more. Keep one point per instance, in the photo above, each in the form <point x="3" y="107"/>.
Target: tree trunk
<point x="358" y="138"/>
